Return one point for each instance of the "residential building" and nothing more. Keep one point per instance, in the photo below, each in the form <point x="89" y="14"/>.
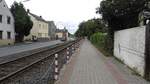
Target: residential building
<point x="52" y="30"/>
<point x="40" y="28"/>
<point x="62" y="34"/>
<point x="7" y="33"/>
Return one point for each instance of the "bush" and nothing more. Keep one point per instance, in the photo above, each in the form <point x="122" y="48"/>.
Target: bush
<point x="103" y="42"/>
<point x="98" y="39"/>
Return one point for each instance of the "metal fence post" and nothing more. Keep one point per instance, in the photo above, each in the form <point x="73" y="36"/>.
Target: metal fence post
<point x="76" y="45"/>
<point x="56" y="67"/>
<point x="72" y="48"/>
<point x="68" y="53"/>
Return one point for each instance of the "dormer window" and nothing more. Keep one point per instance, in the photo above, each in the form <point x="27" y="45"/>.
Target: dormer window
<point x="1" y="34"/>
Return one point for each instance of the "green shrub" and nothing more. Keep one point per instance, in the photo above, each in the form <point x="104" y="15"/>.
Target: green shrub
<point x="102" y="41"/>
<point x="98" y="38"/>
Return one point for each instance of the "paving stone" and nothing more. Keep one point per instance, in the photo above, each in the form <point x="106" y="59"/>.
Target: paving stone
<point x="92" y="67"/>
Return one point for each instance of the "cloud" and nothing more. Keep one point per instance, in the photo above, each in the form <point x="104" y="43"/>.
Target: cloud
<point x="68" y="13"/>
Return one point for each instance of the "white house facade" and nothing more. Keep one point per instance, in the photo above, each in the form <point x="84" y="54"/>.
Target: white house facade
<point x="7" y="32"/>
<point x="62" y="34"/>
<point x="40" y="28"/>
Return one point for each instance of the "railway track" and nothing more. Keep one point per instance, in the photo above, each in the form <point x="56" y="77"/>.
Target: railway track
<point x="41" y="60"/>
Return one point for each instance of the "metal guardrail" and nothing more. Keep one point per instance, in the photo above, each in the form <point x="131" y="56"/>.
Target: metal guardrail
<point x="61" y="57"/>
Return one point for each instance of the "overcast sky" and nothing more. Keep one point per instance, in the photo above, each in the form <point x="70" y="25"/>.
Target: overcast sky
<point x="65" y="13"/>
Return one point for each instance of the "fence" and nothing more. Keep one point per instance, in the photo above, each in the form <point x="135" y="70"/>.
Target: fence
<point x="60" y="58"/>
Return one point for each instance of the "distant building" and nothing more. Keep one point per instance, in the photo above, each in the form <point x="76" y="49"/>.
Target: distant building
<point x="40" y="28"/>
<point x="52" y="30"/>
<point x="62" y="34"/>
<point x="7" y="33"/>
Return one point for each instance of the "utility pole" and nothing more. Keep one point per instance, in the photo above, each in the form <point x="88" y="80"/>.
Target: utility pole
<point x="146" y="14"/>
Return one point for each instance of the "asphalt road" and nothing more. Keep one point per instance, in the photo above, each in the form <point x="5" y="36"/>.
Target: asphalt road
<point x="9" y="50"/>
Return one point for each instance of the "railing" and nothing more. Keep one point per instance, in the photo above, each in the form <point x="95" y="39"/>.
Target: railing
<point x="61" y="57"/>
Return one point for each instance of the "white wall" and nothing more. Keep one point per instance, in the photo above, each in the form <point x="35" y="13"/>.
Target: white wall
<point x="4" y="10"/>
<point x="60" y="35"/>
<point x="38" y="27"/>
<point x="129" y="46"/>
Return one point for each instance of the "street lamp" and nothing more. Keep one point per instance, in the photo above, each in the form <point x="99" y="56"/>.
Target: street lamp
<point x="146" y="13"/>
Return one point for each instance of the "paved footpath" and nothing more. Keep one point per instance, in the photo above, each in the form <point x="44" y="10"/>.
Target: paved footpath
<point x="89" y="66"/>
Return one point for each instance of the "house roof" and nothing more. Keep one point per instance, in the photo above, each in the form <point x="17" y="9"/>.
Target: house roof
<point x="38" y="17"/>
<point x="61" y="30"/>
<point x="51" y="22"/>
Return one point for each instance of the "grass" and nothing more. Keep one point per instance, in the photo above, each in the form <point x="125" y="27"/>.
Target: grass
<point x="100" y="48"/>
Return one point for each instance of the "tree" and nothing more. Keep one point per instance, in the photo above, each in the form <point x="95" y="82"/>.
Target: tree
<point x="121" y="14"/>
<point x="23" y="23"/>
<point x="87" y="28"/>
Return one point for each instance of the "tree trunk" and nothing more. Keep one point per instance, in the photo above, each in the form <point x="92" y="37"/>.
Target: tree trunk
<point x="19" y="38"/>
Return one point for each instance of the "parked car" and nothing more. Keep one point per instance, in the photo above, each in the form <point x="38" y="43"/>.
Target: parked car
<point x="63" y="39"/>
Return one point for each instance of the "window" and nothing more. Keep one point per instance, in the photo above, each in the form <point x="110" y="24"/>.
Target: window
<point x="46" y="34"/>
<point x="40" y="25"/>
<point x="40" y="34"/>
<point x="1" y="34"/>
<point x="9" y="35"/>
<point x="8" y="20"/>
<point x="1" y="17"/>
